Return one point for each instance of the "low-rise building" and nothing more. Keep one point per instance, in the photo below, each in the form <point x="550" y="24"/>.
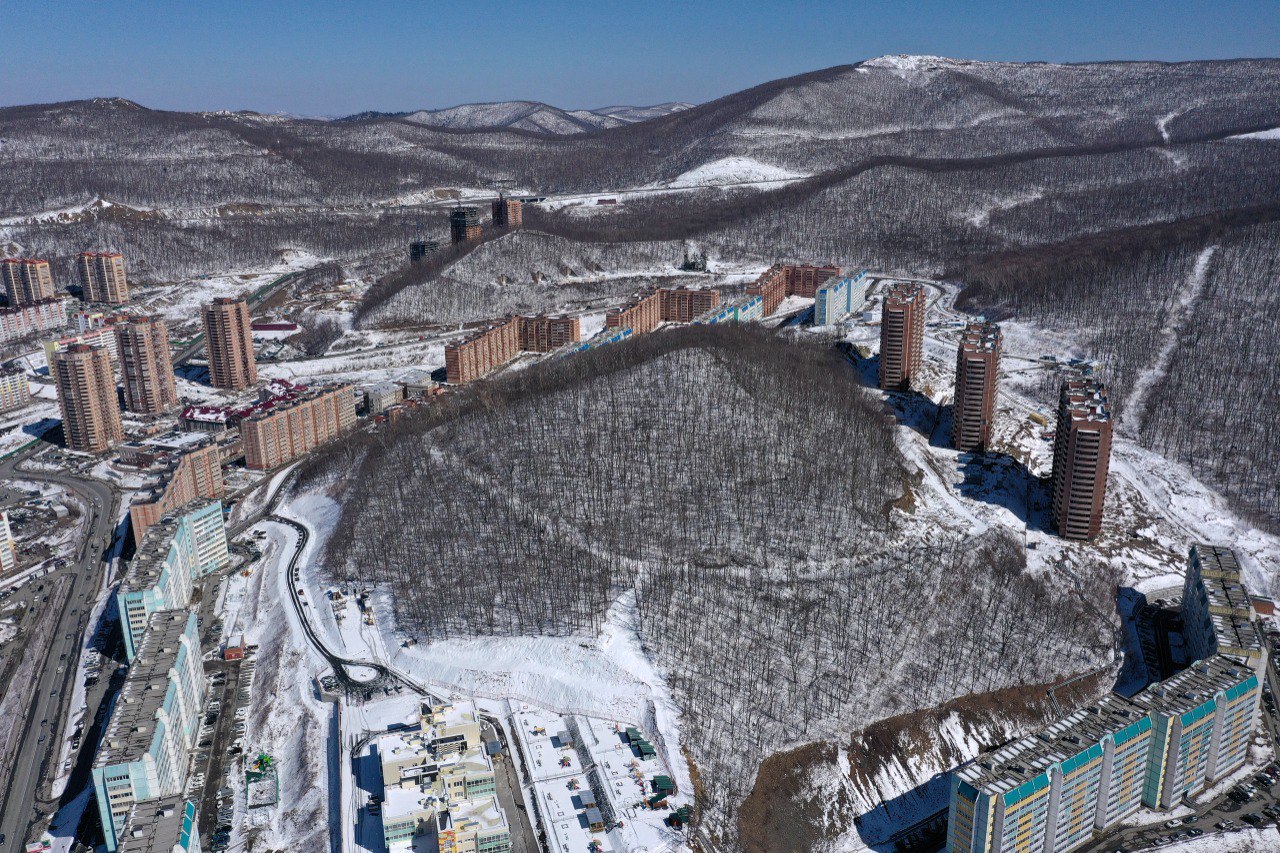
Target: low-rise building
<point x="171" y="556"/>
<point x="382" y="396"/>
<point x="153" y="725"/>
<point x="17" y="322"/>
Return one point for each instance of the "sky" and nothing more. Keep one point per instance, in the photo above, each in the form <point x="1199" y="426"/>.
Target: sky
<point x="330" y="58"/>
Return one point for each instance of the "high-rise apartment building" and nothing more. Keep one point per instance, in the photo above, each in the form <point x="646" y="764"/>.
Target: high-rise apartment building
<point x="232" y="364"/>
<point x="170" y="558"/>
<point x="544" y="334"/>
<point x="649" y="308"/>
<point x="146" y="365"/>
<point x="26" y="280"/>
<point x="1202" y="721"/>
<point x="1081" y="458"/>
<point x="154" y="723"/>
<point x="1217" y="613"/>
<point x="197" y="473"/>
<point x="835" y="300"/>
<point x="1049" y="791"/>
<point x="8" y="556"/>
<point x="87" y="398"/>
<point x="901" y="335"/>
<point x="464" y="224"/>
<point x="297" y="425"/>
<point x="782" y="280"/>
<point x="508" y="212"/>
<point x="15" y="389"/>
<point x="977" y="376"/>
<point x="102" y="277"/>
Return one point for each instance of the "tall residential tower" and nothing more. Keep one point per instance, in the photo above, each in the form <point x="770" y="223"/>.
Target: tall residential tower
<point x="146" y="365"/>
<point x="226" y="330"/>
<point x="977" y="374"/>
<point x="102" y="277"/>
<point x="901" y="335"/>
<point x="87" y="397"/>
<point x="1081" y="458"/>
<point x="26" y="280"/>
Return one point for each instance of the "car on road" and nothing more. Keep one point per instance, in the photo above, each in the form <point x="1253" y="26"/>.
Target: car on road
<point x="1173" y="823"/>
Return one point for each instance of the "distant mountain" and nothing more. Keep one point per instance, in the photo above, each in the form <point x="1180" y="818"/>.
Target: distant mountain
<point x="537" y="117"/>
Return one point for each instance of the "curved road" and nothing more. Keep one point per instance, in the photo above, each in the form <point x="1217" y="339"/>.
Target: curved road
<point x="40" y="744"/>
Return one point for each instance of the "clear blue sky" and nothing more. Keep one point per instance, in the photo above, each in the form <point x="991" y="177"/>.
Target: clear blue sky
<point x="333" y="57"/>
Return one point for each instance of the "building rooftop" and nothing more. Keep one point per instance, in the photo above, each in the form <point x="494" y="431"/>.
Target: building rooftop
<point x="155" y="826"/>
<point x="399" y="803"/>
<point x="1216" y="561"/>
<point x="902" y="292"/>
<point x="1085" y="400"/>
<point x="980" y="337"/>
<point x="481" y="815"/>
<point x="1192" y="687"/>
<point x="1014" y="764"/>
<point x="149" y="559"/>
<point x="449" y="715"/>
<point x="132" y="724"/>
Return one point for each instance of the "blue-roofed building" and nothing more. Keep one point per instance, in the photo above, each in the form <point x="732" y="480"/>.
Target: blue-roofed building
<point x="837" y="299"/>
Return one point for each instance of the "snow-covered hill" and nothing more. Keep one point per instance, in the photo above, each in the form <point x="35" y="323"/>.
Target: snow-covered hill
<point x="538" y="117"/>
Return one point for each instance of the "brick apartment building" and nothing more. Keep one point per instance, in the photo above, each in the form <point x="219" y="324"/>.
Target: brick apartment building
<point x="102" y="277"/>
<point x="232" y="364"/>
<point x="783" y="280"/>
<point x="544" y="334"/>
<point x="296" y="425"/>
<point x="1081" y="458"/>
<point x="493" y="346"/>
<point x="197" y="473"/>
<point x="648" y="309"/>
<point x="26" y="280"/>
<point x="146" y="365"/>
<point x="15" y="389"/>
<point x="508" y="212"/>
<point x="902" y="335"/>
<point x="20" y="321"/>
<point x="464" y="224"/>
<point x="977" y="377"/>
<point x="87" y="398"/>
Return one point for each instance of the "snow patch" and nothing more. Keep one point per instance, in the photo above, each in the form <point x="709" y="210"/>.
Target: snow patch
<point x="734" y="170"/>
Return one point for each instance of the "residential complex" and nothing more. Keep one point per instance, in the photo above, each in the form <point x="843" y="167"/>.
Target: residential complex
<point x="1052" y="790"/>
<point x="153" y="725"/>
<point x="738" y="310"/>
<point x="15" y="389"/>
<point x="783" y="280"/>
<point x="194" y="473"/>
<point x="102" y="336"/>
<point x="1081" y="458"/>
<point x="26" y="280"/>
<point x="296" y="424"/>
<point x="229" y="341"/>
<point x="508" y="212"/>
<point x="87" y="398"/>
<point x="901" y="335"/>
<point x="650" y="308"/>
<point x="170" y="557"/>
<point x="146" y="365"/>
<point x="439" y="780"/>
<point x="835" y="300"/>
<point x="19" y="322"/>
<point x="464" y="224"/>
<point x="977" y="376"/>
<point x="486" y="350"/>
<point x="102" y="277"/>
<point x="1217" y="614"/>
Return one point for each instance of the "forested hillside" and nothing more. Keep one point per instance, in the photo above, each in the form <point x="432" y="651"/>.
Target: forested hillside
<point x="735" y="486"/>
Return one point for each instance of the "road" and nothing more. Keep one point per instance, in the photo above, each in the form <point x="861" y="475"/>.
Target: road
<point x="39" y="744"/>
